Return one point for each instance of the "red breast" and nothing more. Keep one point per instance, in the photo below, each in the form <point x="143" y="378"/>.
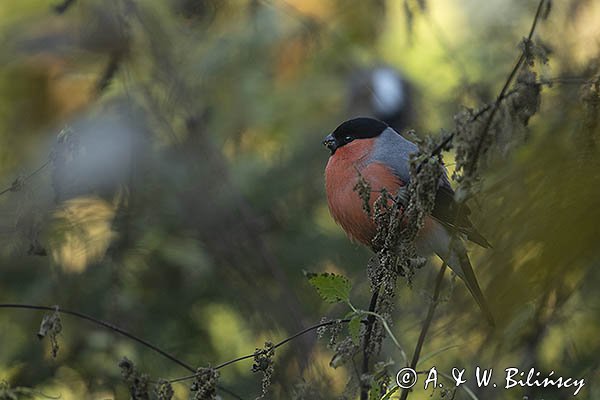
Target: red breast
<point x="341" y="177"/>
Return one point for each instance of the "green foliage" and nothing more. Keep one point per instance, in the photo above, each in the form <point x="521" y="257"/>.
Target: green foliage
<point x="15" y="393"/>
<point x="6" y="392"/>
<point x="331" y="287"/>
<point x="354" y="328"/>
<point x="390" y="393"/>
<point x="375" y="392"/>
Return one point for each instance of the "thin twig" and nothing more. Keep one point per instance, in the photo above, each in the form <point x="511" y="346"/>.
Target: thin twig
<point x="118" y="330"/>
<point x="105" y="325"/>
<point x="503" y="94"/>
<point x="509" y="80"/>
<point x="17" y="183"/>
<point x="364" y="393"/>
<point x="427" y="322"/>
<point x="389" y="332"/>
<point x="481" y="111"/>
<point x="284" y="341"/>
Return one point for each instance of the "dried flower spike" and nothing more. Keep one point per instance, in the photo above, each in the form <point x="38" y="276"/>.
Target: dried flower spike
<point x="51" y="326"/>
<point x="263" y="362"/>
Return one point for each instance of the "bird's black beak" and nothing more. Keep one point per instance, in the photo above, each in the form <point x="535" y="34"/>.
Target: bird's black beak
<point x="330" y="143"/>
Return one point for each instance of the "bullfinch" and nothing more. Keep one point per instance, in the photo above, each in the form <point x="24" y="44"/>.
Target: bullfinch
<point x="370" y="148"/>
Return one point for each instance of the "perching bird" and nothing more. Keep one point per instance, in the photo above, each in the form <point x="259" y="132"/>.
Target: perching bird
<point x="381" y="156"/>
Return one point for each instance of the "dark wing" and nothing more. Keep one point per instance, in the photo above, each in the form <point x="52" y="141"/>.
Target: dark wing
<point x="446" y="210"/>
<point x="394" y="151"/>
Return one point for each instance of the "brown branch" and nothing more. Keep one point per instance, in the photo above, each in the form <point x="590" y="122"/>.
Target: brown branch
<point x="426" y="323"/>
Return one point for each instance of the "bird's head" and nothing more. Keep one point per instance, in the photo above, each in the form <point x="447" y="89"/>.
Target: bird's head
<point x="352" y="130"/>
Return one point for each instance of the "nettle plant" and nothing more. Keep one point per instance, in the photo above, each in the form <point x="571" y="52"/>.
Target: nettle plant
<point x="335" y="288"/>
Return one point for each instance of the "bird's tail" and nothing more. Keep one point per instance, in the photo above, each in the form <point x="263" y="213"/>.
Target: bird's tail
<point x="438" y="239"/>
<point x="460" y="264"/>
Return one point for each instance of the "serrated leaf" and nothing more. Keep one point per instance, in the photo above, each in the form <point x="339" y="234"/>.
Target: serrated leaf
<point x="354" y="328"/>
<point x="332" y="288"/>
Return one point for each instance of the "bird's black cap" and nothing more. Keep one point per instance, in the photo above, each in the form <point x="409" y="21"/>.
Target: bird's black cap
<point x="356" y="128"/>
<point x="359" y="128"/>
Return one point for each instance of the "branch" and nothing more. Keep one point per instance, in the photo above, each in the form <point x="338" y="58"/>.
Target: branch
<point x="120" y="331"/>
<point x="284" y="341"/>
<point x="560" y="80"/>
<point x="105" y="325"/>
<point x="504" y="93"/>
<point x="426" y="323"/>
<point x="19" y="182"/>
<point x="388" y="330"/>
<point x="509" y="80"/>
<point x="364" y="392"/>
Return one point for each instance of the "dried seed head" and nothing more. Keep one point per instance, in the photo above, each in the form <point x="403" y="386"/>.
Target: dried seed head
<point x="51" y="326"/>
<point x="137" y="382"/>
<point x="164" y="390"/>
<point x="344" y="351"/>
<point x="204" y="386"/>
<point x="263" y="362"/>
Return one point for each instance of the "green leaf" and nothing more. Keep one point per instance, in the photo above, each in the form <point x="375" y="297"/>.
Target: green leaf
<point x="375" y="391"/>
<point x="389" y="394"/>
<point x="331" y="287"/>
<point x="354" y="328"/>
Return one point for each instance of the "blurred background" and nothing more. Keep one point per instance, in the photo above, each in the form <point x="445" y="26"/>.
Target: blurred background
<point x="161" y="169"/>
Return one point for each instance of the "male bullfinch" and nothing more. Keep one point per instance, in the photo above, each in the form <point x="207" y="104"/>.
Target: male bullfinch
<point x="370" y="148"/>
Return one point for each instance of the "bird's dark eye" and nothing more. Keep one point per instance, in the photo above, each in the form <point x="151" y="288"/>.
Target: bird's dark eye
<point x="348" y="139"/>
